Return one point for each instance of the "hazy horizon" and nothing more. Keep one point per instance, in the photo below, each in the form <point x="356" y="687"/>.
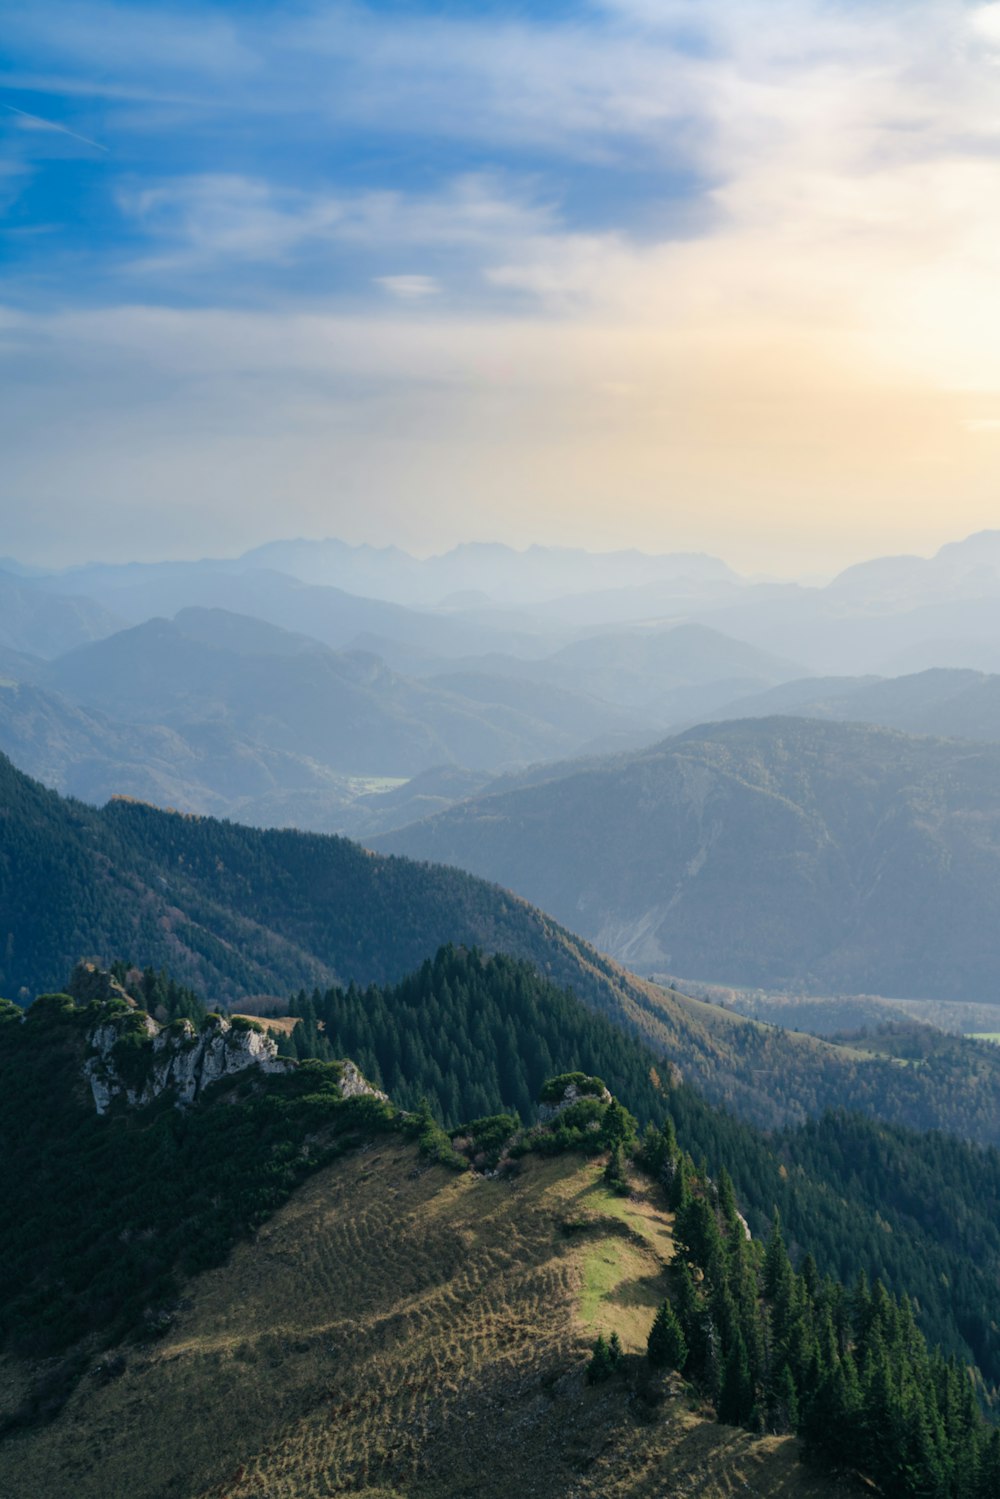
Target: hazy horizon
<point x="46" y="563"/>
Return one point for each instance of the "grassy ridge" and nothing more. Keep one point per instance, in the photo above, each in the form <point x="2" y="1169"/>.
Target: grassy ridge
<point x="400" y="1331"/>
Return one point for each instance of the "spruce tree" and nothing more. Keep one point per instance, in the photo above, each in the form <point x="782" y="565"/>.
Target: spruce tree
<point x="680" y="1190"/>
<point x="783" y="1402"/>
<point x="614" y="1172"/>
<point x="736" y="1397"/>
<point x="666" y="1347"/>
<point x="602" y="1364"/>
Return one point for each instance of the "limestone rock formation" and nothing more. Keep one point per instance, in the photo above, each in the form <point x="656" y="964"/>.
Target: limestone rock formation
<point x="573" y="1091"/>
<point x="120" y="1065"/>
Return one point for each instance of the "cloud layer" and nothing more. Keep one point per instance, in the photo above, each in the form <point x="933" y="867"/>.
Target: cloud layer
<point x="697" y="274"/>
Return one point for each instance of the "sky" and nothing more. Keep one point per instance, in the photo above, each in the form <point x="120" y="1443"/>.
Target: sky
<point x="717" y="275"/>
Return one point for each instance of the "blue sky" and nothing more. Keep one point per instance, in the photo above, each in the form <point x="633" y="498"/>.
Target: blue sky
<point x="638" y="272"/>
<point x="218" y="154"/>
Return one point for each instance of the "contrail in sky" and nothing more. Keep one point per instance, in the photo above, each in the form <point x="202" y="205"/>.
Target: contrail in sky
<point x="51" y="125"/>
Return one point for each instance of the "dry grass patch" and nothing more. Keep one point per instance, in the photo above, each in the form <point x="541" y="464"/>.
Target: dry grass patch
<point x="398" y="1332"/>
<point x="281" y="1024"/>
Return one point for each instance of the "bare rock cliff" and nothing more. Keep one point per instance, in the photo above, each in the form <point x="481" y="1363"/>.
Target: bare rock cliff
<point x="134" y="1058"/>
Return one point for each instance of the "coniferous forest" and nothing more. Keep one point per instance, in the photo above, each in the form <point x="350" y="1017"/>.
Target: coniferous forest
<point x="780" y="1349"/>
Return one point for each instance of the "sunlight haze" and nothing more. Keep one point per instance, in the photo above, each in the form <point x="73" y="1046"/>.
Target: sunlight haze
<point x="664" y="275"/>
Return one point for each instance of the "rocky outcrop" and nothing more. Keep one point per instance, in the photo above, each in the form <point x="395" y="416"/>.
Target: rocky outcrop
<point x="132" y="1057"/>
<point x="572" y="1093"/>
<point x="354" y="1084"/>
<point x="90" y="984"/>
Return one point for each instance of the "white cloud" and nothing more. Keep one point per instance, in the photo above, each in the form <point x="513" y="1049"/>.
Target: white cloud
<point x="985" y="22"/>
<point x="198" y="219"/>
<point x="411" y="288"/>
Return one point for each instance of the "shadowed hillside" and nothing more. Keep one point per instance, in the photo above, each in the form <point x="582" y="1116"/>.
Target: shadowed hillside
<point x="398" y="1330"/>
<point x="779" y="852"/>
<point x="234" y="911"/>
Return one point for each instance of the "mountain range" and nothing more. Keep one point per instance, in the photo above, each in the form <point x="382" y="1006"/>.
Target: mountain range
<point x="240" y="913"/>
<point x="947" y="703"/>
<point x="228" y="714"/>
<point x="775" y="852"/>
<point x="356" y="1282"/>
<point x="889" y="615"/>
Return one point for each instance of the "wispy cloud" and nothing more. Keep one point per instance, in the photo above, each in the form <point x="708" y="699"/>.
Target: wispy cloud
<point x="208" y="219"/>
<point x="28" y="121"/>
<point x="770" y="224"/>
<point x="409" y="288"/>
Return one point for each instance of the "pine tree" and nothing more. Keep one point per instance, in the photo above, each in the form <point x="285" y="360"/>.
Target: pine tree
<point x="783" y="1402"/>
<point x="777" y="1266"/>
<point x="989" y="1467"/>
<point x="602" y="1362"/>
<point x="737" y="1394"/>
<point x="680" y="1190"/>
<point x="614" y="1172"/>
<point x="618" y="1127"/>
<point x="666" y="1347"/>
<point x="652" y="1154"/>
<point x="669" y="1141"/>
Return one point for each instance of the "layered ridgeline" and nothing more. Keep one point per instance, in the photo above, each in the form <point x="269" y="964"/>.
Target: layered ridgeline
<point x="949" y="703"/>
<point x="475" y="1038"/>
<point x="220" y="713"/>
<point x="344" y="709"/>
<point x="425" y="1298"/>
<point x="236" y="912"/>
<point x="777" y="853"/>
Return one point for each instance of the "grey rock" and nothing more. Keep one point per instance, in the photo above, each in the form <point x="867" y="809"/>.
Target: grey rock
<point x="571" y="1094"/>
<point x="181" y="1060"/>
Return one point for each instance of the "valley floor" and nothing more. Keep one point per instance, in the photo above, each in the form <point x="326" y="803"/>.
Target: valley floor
<point x="400" y="1332"/>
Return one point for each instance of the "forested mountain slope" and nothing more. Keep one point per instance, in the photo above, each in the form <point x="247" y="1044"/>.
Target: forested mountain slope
<point x="472" y="1294"/>
<point x="772" y="852"/>
<point x="235" y="911"/>
<point x="908" y="1207"/>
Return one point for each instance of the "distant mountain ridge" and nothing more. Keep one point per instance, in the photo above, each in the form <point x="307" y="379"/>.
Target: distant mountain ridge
<point x="889" y="614"/>
<point x="778" y="852"/>
<point x="35" y="622"/>
<point x="946" y="703"/>
<point x="345" y="710"/>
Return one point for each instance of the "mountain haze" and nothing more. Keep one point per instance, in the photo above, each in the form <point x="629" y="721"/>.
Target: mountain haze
<point x="947" y="703"/>
<point x="344" y="710"/>
<point x="773" y="852"/>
